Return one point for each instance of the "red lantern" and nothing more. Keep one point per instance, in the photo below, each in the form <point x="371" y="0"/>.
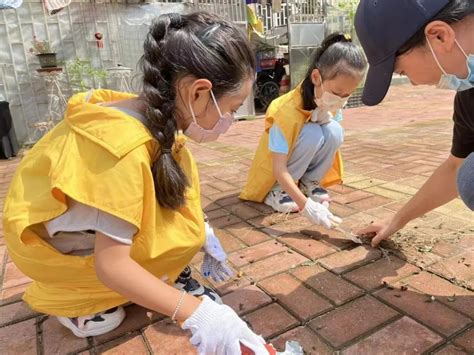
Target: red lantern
<point x="98" y="37"/>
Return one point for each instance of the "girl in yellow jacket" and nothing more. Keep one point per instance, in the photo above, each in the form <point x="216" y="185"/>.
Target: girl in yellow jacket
<point x="298" y="152"/>
<point x="105" y="209"/>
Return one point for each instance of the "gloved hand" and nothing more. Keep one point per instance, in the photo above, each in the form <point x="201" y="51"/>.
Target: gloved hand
<point x="318" y="213"/>
<point x="218" y="330"/>
<point x="214" y="264"/>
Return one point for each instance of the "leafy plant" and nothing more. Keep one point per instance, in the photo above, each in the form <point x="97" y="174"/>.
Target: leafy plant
<point x="350" y="8"/>
<point x="83" y="76"/>
<point x="40" y="46"/>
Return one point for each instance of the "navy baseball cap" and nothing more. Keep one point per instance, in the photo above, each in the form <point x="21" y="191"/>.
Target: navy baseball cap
<point x="383" y="26"/>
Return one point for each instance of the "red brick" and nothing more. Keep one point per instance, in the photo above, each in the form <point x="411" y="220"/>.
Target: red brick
<point x="207" y="190"/>
<point x="334" y="238"/>
<point x="292" y="224"/>
<point x="351" y="197"/>
<point x="19" y="338"/>
<point x="460" y="267"/>
<point x="347" y="259"/>
<point x="341" y="189"/>
<point x="124" y="346"/>
<point x="225" y="221"/>
<point x="256" y="253"/>
<point x="433" y="314"/>
<point x="341" y="210"/>
<point x="263" y="208"/>
<point x="15" y="312"/>
<point x="13" y="294"/>
<point x="246" y="299"/>
<point x="229" y="201"/>
<point x="14" y="277"/>
<point x="309" y="341"/>
<point x="231" y="285"/>
<point x="422" y="169"/>
<point x="405" y="336"/>
<point x="270" y="321"/>
<point x="228" y="241"/>
<point x="273" y="265"/>
<point x="273" y="232"/>
<point x="221" y="195"/>
<point x="373" y="275"/>
<point x="466" y="340"/>
<point x="215" y="214"/>
<point x="306" y="245"/>
<point x="446" y="249"/>
<point x="451" y="350"/>
<point x="222" y="185"/>
<point x="243" y="211"/>
<point x="352" y="320"/>
<point x="57" y="339"/>
<point x="269" y="220"/>
<point x="136" y="318"/>
<point x="443" y="291"/>
<point x="208" y="205"/>
<point x="167" y="338"/>
<point x="326" y="283"/>
<point x="246" y="233"/>
<point x="295" y="296"/>
<point x="370" y="202"/>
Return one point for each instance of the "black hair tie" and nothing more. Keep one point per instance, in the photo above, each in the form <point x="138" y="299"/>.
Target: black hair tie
<point x="176" y="21"/>
<point x="166" y="151"/>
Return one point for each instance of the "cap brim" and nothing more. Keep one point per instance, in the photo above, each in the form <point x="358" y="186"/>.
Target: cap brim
<point x="378" y="81"/>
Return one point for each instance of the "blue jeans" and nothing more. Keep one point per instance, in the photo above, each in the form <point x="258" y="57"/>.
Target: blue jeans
<point x="466" y="181"/>
<point x="314" y="151"/>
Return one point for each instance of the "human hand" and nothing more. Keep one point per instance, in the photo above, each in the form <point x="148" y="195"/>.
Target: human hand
<point x="318" y="213"/>
<point x="218" y="330"/>
<point x="380" y="230"/>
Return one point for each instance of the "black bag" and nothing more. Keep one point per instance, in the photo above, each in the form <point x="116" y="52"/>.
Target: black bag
<point x="8" y="141"/>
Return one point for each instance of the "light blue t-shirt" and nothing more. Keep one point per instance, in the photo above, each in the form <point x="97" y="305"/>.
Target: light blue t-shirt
<point x="277" y="142"/>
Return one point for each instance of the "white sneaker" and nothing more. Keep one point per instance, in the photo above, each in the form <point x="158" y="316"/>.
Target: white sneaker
<point x="95" y="324"/>
<point x="315" y="192"/>
<point x="280" y="201"/>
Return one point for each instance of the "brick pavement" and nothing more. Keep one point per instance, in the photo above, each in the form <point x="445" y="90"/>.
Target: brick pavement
<point x="300" y="282"/>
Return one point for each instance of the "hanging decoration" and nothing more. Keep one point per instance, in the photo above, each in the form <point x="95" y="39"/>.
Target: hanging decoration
<point x="54" y="6"/>
<point x="98" y="37"/>
<point x="10" y="4"/>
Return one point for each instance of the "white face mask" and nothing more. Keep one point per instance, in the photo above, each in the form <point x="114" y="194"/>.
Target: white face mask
<point x="201" y="135"/>
<point x="329" y="101"/>
<point x="451" y="81"/>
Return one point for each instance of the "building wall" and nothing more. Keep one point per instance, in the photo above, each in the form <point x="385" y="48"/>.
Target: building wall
<point x="71" y="32"/>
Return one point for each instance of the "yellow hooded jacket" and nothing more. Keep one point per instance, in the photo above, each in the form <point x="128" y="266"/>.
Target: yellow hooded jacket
<point x="100" y="157"/>
<point x="288" y="113"/>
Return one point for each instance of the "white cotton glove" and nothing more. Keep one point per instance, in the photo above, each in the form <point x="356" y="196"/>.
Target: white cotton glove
<point x="218" y="330"/>
<point x="214" y="264"/>
<point x="318" y="213"/>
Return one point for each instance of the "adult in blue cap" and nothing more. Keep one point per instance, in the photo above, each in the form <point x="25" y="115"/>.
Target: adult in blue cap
<point x="431" y="42"/>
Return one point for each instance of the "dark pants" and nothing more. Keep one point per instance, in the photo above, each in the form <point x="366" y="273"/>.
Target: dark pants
<point x="466" y="181"/>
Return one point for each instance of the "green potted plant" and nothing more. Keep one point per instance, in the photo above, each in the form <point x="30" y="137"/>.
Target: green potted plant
<point x="45" y="53"/>
<point x="83" y="76"/>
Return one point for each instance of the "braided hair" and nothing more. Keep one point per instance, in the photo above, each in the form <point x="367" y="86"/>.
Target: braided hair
<point x="336" y="55"/>
<point x="199" y="44"/>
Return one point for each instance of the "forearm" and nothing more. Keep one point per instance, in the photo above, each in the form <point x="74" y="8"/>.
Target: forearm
<point x="286" y="182"/>
<point x="438" y="190"/>
<point x="128" y="278"/>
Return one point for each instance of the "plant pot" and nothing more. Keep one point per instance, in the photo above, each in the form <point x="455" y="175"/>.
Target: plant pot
<point x="47" y="60"/>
